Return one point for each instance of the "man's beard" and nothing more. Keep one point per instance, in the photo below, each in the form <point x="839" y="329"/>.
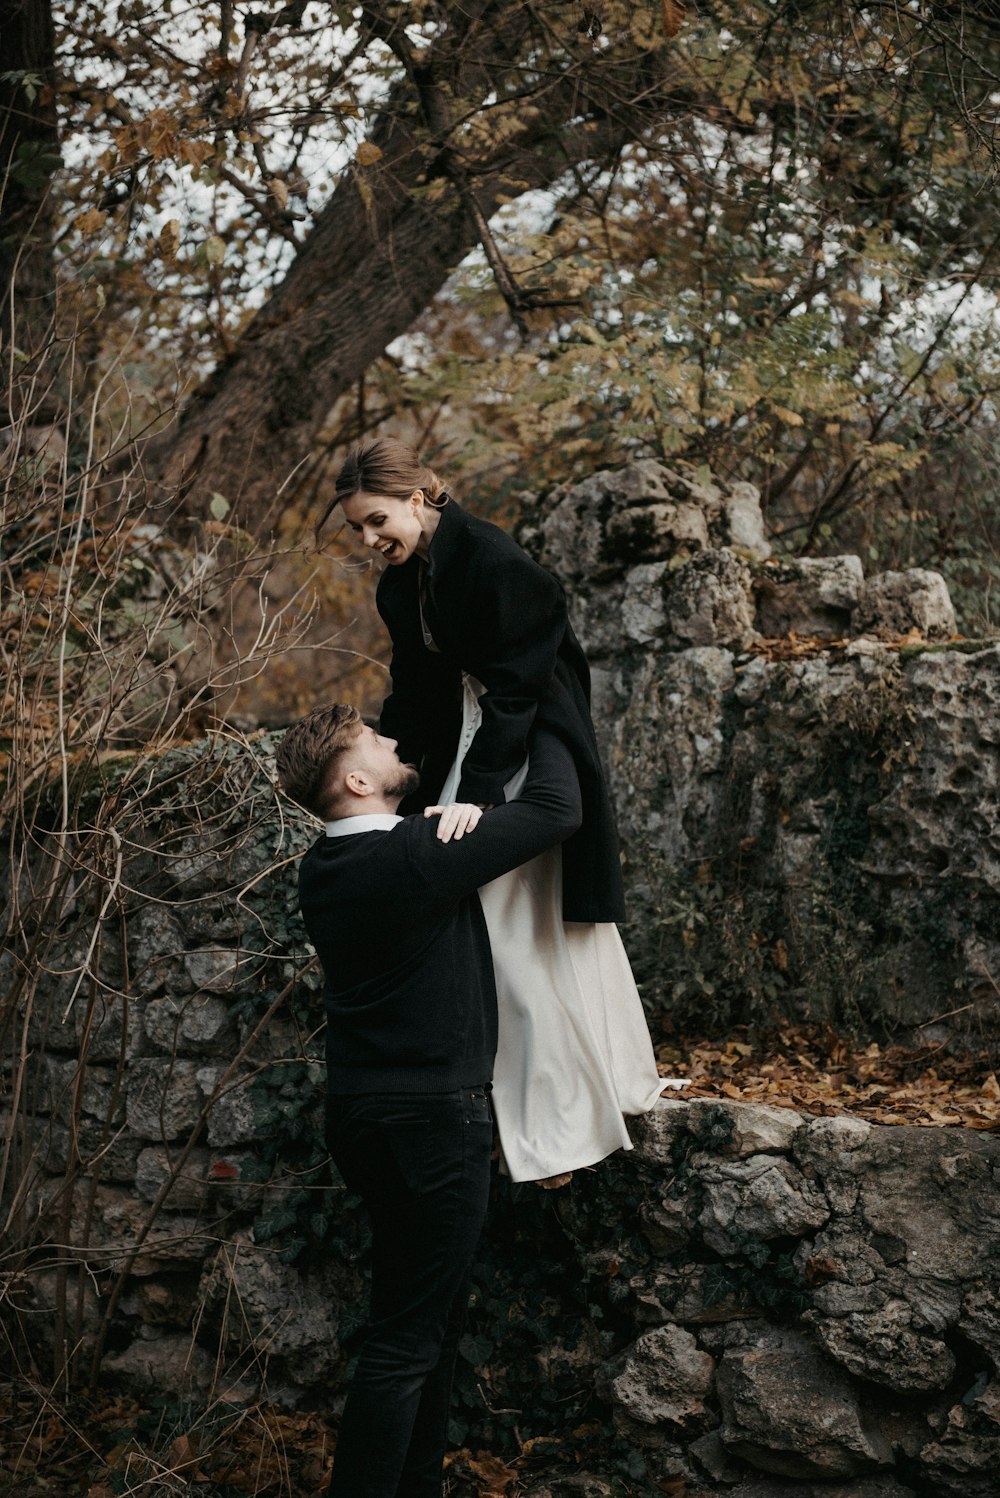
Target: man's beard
<point x="406" y="782"/>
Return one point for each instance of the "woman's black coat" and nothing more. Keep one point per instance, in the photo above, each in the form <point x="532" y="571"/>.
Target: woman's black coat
<point x="496" y="614"/>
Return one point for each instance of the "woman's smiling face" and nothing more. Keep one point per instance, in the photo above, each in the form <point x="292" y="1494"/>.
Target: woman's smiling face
<point x="392" y="527"/>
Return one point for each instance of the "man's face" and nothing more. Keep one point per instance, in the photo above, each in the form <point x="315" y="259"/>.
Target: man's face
<point x="376" y="755"/>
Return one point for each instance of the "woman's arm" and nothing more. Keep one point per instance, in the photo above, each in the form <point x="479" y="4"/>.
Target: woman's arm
<point x="421" y="710"/>
<point x="404" y="713"/>
<point x="517" y="623"/>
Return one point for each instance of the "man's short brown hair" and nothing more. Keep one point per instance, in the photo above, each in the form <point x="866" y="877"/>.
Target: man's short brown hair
<point x="307" y="752"/>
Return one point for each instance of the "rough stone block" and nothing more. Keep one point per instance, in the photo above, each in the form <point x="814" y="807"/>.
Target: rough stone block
<point x="788" y="1411"/>
<point x="710" y="1454"/>
<point x="156" y="951"/>
<point x="651" y="531"/>
<point x="233" y="1117"/>
<point x="709" y="601"/>
<point x="881" y="1345"/>
<point x="195" y="1025"/>
<point x="284" y="1311"/>
<point x="570" y="542"/>
<point x="937" y="1193"/>
<point x="109" y="1153"/>
<point x="164" y="1099"/>
<point x="108" y="1028"/>
<point x="78" y="1090"/>
<point x="105" y="1225"/>
<point x="809" y="596"/>
<point x="215" y="969"/>
<point x="744" y="521"/>
<point x="980" y="1319"/>
<point x="860" y="1487"/>
<point x="642" y="482"/>
<point x="757" y="1129"/>
<point x="190" y="1187"/>
<point x="762" y="1197"/>
<point x="643" y="607"/>
<point x="166" y="1302"/>
<point x="663" y="1380"/>
<point x="964" y="1460"/>
<point x="894" y="603"/>
<point x="36" y="1297"/>
<point x="668" y="1224"/>
<point x="174" y="1364"/>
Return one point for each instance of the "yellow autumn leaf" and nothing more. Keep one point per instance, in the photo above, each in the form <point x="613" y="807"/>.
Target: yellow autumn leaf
<point x="90" y="221"/>
<point x="848" y="298"/>
<point x="368" y="153"/>
<point x="279" y="191"/>
<point x="789" y="417"/>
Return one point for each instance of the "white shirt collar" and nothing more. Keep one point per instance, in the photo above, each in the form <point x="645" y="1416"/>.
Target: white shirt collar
<point x="372" y="821"/>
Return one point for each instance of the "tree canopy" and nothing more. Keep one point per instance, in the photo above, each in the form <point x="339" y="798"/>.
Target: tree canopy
<point x="758" y="238"/>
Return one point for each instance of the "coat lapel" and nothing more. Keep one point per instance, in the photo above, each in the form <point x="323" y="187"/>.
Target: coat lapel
<point x="443" y="552"/>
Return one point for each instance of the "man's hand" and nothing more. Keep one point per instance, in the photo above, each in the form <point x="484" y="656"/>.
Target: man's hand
<point x="455" y="820"/>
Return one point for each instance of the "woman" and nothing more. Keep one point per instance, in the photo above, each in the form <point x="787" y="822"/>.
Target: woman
<point x="482" y="649"/>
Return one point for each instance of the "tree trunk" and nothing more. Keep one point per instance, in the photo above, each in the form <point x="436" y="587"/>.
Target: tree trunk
<point x="29" y="152"/>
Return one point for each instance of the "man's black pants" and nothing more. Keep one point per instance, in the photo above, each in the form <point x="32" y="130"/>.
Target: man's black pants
<point x="421" y="1161"/>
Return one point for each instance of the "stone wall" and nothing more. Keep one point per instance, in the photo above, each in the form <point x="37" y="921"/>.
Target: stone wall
<point x="755" y="1302"/>
<point x="162" y="1087"/>
<point x="805" y="761"/>
<point x="820" y="1297"/>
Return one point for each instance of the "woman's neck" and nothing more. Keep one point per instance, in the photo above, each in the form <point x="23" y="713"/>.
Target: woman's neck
<point x="429" y="519"/>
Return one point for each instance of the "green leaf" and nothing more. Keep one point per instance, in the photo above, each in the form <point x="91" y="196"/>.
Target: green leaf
<point x="475" y="1349"/>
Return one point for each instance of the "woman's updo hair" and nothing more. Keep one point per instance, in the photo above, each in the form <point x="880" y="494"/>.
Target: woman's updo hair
<point x="387" y="467"/>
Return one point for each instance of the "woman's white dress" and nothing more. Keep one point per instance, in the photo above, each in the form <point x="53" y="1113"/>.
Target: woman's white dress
<point x="574" y="1051"/>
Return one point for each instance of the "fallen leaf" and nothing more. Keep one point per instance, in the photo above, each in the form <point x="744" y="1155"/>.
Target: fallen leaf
<point x="183" y="1452"/>
<point x="493" y="1471"/>
<point x="673" y="16"/>
<point x="820" y="1267"/>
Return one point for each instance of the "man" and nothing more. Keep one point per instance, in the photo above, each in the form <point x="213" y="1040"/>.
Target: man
<point x="391" y="907"/>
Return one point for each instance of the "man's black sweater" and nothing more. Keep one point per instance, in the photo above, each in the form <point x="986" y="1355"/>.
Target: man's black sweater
<point x="395" y="918"/>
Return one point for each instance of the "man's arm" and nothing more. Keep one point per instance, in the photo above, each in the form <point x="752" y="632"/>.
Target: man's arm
<point x="548" y="812"/>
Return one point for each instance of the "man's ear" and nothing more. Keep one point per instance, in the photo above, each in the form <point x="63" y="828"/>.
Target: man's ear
<point x="358" y="783"/>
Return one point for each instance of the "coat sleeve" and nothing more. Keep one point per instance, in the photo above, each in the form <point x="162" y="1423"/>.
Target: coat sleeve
<point x="519" y="614"/>
<point x="420" y="704"/>
<point x="404" y="712"/>
<point x="547" y="812"/>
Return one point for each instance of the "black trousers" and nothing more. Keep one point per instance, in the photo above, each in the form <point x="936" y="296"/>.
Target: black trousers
<point x="422" y="1164"/>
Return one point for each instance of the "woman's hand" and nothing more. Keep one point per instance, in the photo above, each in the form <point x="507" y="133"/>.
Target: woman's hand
<point x="455" y="820"/>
